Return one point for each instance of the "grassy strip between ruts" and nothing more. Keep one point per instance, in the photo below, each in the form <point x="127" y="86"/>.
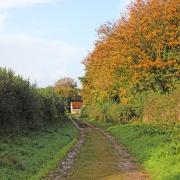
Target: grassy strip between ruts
<point x="155" y="147"/>
<point x="32" y="156"/>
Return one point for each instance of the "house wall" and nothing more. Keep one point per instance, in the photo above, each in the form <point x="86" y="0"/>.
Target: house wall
<point x="75" y="111"/>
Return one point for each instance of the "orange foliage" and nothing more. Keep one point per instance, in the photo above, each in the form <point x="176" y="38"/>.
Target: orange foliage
<point x="139" y="48"/>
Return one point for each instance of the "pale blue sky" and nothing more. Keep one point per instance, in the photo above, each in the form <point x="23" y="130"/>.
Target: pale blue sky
<point x="45" y="40"/>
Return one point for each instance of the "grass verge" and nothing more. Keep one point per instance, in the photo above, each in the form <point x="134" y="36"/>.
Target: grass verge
<point x="157" y="148"/>
<point x="32" y="156"/>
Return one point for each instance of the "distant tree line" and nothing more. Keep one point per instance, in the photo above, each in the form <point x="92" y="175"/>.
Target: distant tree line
<point x="24" y="106"/>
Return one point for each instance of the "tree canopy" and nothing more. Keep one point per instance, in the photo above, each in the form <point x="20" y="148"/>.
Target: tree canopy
<point x="138" y="53"/>
<point x="67" y="89"/>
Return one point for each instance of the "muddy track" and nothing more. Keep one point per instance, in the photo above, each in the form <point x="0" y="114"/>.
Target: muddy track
<point x="79" y="162"/>
<point x="65" y="166"/>
<point x="127" y="163"/>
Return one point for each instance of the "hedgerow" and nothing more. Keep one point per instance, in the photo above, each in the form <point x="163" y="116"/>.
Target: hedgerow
<point x="110" y="112"/>
<point x="24" y="106"/>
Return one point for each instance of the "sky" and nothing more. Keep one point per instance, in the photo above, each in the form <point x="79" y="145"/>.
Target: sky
<point x="46" y="40"/>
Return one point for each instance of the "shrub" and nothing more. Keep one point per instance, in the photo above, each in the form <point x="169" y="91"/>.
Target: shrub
<point x="110" y="112"/>
<point x="163" y="108"/>
<point x="52" y="105"/>
<point x="23" y="105"/>
<point x="121" y="113"/>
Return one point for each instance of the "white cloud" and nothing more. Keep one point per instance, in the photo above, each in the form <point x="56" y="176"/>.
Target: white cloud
<point x="5" y="4"/>
<point x="43" y="61"/>
<point x="2" y="20"/>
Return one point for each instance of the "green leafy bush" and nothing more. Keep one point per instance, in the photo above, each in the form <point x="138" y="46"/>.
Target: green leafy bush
<point x="52" y="105"/>
<point x="163" y="108"/>
<point x="110" y="112"/>
<point x="23" y="105"/>
<point x="147" y="107"/>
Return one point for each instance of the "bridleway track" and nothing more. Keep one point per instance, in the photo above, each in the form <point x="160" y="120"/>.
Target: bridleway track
<point x="97" y="156"/>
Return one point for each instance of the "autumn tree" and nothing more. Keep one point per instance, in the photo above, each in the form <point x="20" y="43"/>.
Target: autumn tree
<point x="67" y="88"/>
<point x="138" y="53"/>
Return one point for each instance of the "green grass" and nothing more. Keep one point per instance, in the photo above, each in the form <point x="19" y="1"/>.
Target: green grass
<point x="155" y="147"/>
<point x="32" y="156"/>
<point x="101" y="124"/>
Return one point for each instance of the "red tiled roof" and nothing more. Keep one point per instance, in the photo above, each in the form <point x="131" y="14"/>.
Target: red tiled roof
<point x="76" y="105"/>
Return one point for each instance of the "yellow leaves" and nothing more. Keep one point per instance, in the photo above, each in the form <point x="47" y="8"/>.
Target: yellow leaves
<point x="136" y="44"/>
<point x="124" y="100"/>
<point x="123" y="92"/>
<point x="174" y="43"/>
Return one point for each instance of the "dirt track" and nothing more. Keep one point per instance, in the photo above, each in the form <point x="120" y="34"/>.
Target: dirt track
<point x="97" y="156"/>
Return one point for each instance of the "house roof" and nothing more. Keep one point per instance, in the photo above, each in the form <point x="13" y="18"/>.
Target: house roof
<point x="76" y="105"/>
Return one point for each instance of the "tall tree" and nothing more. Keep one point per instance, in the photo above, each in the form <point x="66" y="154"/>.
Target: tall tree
<point x="138" y="53"/>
